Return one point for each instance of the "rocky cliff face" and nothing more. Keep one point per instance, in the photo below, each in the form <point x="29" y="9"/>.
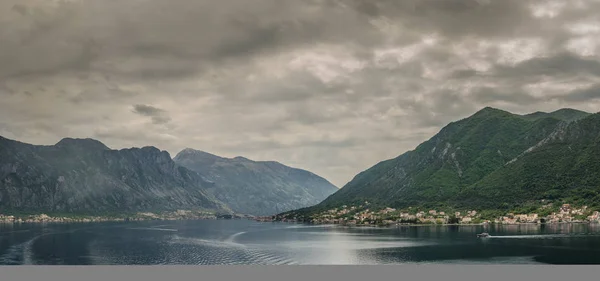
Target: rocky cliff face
<point x="257" y="188"/>
<point x="83" y="175"/>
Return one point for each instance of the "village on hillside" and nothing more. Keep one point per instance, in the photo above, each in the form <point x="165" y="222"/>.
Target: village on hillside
<point x="363" y="215"/>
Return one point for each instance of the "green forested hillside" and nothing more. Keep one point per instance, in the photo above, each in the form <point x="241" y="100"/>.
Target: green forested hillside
<point x="491" y="160"/>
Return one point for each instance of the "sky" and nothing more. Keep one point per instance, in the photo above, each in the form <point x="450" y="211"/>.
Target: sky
<point x="330" y="86"/>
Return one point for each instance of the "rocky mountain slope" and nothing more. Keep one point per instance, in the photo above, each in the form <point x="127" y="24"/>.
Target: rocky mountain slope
<point x="491" y="160"/>
<point x="83" y="175"/>
<point x="256" y="187"/>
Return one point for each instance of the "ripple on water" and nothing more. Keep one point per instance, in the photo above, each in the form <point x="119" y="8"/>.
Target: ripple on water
<point x="152" y="229"/>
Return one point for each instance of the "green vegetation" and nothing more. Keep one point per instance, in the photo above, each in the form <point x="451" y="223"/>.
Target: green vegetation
<point x="493" y="161"/>
<point x="453" y="220"/>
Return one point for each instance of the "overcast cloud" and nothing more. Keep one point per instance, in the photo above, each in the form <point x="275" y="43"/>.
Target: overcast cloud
<point x="332" y="86"/>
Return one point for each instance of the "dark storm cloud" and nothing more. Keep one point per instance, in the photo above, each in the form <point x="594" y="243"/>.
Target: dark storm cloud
<point x="207" y="33"/>
<point x="583" y="95"/>
<point x="562" y="64"/>
<point x="158" y="116"/>
<point x="22" y="10"/>
<point x="454" y="17"/>
<point x="175" y="33"/>
<point x="147" y="110"/>
<point x="161" y="119"/>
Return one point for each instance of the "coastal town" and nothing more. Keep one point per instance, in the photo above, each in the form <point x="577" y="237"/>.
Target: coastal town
<point x="140" y="216"/>
<point x="363" y="215"/>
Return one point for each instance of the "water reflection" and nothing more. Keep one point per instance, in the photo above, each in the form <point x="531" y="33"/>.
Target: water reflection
<point x="247" y="242"/>
<point x="337" y="248"/>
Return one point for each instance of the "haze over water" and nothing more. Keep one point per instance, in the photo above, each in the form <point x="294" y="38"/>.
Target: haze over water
<point x="217" y="242"/>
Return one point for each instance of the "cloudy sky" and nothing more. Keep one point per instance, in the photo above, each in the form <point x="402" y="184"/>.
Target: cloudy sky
<point x="332" y="86"/>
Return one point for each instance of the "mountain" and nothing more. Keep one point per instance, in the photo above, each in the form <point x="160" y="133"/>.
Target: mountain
<point x="491" y="160"/>
<point x="83" y="175"/>
<point x="256" y="187"/>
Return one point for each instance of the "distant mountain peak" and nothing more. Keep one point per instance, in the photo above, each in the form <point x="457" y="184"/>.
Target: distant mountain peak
<point x="155" y="150"/>
<point x="257" y="187"/>
<point x="188" y="153"/>
<point x="566" y="109"/>
<point x="491" y="110"/>
<point x="241" y="158"/>
<point x="188" y="150"/>
<point x="86" y="143"/>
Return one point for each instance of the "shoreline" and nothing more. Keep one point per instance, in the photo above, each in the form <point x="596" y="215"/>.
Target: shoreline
<point x="141" y="216"/>
<point x="445" y="224"/>
<point x="101" y="221"/>
<point x="82" y="221"/>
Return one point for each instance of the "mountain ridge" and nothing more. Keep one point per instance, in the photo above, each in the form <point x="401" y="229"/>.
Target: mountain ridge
<point x="257" y="187"/>
<point x="450" y="168"/>
<point x="83" y="175"/>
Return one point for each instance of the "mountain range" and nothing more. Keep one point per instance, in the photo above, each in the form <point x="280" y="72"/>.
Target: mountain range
<point x="492" y="160"/>
<point x="85" y="176"/>
<point x="256" y="187"/>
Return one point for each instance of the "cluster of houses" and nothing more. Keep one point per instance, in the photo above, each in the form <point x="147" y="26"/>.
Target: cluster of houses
<point x="519" y="218"/>
<point x="43" y="218"/>
<point x="362" y="215"/>
<point x="594" y="217"/>
<point x="567" y="213"/>
<point x="176" y="215"/>
<point x="5" y="218"/>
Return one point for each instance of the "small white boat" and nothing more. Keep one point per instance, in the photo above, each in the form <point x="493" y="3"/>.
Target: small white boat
<point x="483" y="235"/>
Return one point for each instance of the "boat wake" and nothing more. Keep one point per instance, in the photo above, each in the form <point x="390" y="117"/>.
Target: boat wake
<point x="21" y="253"/>
<point x="231" y="239"/>
<point x="228" y="243"/>
<point x="541" y="236"/>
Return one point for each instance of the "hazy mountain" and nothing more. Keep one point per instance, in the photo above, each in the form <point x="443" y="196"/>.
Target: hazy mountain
<point x="256" y="187"/>
<point x="83" y="175"/>
<point x="491" y="160"/>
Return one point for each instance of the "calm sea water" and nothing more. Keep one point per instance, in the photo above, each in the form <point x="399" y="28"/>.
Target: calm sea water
<point x="212" y="242"/>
